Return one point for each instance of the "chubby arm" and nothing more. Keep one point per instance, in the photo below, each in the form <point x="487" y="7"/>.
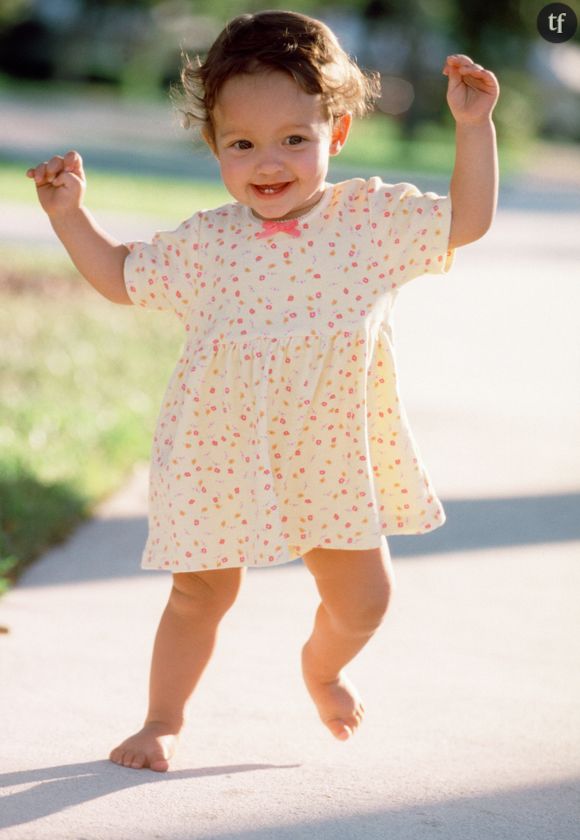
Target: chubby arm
<point x="474" y="183"/>
<point x="472" y="95"/>
<point x="98" y="257"/>
<point x="60" y="185"/>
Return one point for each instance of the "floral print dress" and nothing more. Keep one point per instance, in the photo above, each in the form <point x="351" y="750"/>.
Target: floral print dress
<point x="282" y="427"/>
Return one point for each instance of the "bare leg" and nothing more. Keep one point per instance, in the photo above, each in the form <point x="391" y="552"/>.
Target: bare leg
<point x="355" y="587"/>
<point x="183" y="646"/>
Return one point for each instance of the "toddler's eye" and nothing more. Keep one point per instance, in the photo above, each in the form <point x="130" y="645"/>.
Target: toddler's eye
<point x="296" y="137"/>
<point x="243" y="148"/>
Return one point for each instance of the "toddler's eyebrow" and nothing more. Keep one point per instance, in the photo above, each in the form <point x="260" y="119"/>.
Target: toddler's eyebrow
<point x="233" y="132"/>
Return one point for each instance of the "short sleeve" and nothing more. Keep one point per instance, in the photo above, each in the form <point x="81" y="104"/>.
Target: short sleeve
<point x="163" y="274"/>
<point x="411" y="229"/>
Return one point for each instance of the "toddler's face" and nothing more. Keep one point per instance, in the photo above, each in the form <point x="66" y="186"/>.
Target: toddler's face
<point x="271" y="134"/>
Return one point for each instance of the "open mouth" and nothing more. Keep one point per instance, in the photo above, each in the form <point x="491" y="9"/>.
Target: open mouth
<point x="270" y="189"/>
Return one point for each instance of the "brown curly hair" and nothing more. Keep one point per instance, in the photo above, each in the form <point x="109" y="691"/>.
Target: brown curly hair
<point x="290" y="42"/>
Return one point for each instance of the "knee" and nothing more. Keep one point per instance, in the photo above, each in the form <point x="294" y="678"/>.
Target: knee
<point x="365" y="614"/>
<point x="205" y="594"/>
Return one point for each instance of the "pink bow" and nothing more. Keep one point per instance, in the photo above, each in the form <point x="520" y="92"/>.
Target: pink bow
<point x="271" y="227"/>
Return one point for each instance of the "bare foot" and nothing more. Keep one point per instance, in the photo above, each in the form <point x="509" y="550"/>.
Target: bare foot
<point x="339" y="705"/>
<point x="151" y="747"/>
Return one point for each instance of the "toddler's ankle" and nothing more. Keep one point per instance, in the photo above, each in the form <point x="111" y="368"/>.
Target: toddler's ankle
<point x="166" y="725"/>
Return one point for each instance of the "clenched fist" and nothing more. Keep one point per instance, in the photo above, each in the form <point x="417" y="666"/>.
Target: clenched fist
<point x="60" y="183"/>
<point x="472" y="92"/>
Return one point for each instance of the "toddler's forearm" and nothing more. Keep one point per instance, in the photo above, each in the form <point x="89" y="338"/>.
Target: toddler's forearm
<point x="98" y="257"/>
<point x="474" y="183"/>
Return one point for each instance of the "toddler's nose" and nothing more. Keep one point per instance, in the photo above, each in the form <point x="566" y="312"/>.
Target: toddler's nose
<point x="269" y="164"/>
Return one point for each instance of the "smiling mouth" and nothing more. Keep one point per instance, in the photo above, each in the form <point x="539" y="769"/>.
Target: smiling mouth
<point x="270" y="189"/>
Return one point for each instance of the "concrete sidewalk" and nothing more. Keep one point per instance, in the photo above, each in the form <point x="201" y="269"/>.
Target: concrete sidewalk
<point x="471" y="687"/>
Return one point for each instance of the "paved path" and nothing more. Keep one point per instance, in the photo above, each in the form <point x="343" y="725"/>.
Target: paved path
<point x="471" y="686"/>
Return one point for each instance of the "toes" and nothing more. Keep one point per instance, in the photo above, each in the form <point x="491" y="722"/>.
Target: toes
<point x="340" y="729"/>
<point x="138" y="760"/>
<point x="139" y="752"/>
<point x="353" y="723"/>
<point x="160" y="765"/>
<point x="344" y="728"/>
<point x="157" y="761"/>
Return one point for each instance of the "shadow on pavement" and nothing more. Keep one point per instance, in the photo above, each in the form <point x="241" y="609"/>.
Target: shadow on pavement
<point x="527" y="813"/>
<point x="72" y="784"/>
<point x="110" y="548"/>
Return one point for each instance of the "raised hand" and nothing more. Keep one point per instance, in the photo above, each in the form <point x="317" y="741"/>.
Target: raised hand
<point x="60" y="183"/>
<point x="472" y="91"/>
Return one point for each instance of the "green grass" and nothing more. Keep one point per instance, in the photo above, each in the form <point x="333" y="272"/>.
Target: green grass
<point x="81" y="382"/>
<point x="171" y="197"/>
<point x="377" y="142"/>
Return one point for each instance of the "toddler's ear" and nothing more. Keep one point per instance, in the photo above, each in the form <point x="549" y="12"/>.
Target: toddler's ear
<point x="340" y="133"/>
<point x="208" y="139"/>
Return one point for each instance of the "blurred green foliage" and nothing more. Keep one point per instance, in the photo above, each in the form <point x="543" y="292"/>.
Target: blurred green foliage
<point x="141" y="41"/>
<point x="81" y="382"/>
<point x="12" y="10"/>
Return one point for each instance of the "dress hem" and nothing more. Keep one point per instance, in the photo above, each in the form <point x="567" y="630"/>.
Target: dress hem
<point x="292" y="550"/>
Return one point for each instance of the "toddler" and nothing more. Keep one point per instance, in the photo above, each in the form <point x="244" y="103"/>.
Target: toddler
<point x="281" y="433"/>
